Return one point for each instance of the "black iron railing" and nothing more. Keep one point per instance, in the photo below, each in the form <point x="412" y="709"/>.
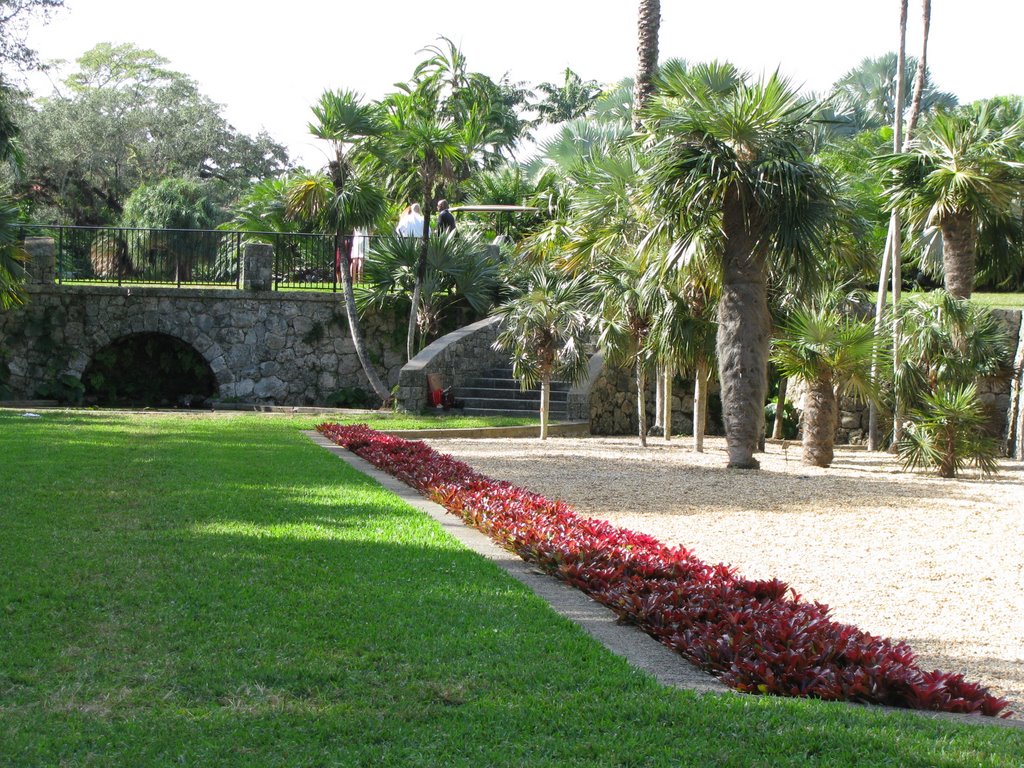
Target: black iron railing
<point x="193" y="257"/>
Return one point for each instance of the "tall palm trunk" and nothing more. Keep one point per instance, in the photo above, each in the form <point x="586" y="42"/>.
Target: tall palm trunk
<point x="744" y="328"/>
<point x="421" y="263"/>
<point x="922" y="67"/>
<point x="641" y="402"/>
<point x="355" y="328"/>
<point x="659" y="402"/>
<point x="893" y="239"/>
<point x="959" y="253"/>
<point x="819" y="423"/>
<point x="700" y="406"/>
<point x="666" y="418"/>
<point x="545" y="404"/>
<point x="780" y="409"/>
<point x="648" y="27"/>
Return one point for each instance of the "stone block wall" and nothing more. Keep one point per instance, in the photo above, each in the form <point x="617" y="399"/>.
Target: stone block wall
<point x="272" y="347"/>
<point x="458" y="357"/>
<point x="613" y="404"/>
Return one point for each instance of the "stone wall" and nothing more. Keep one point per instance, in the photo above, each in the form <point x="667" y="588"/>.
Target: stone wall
<point x="999" y="394"/>
<point x="285" y="348"/>
<point x="613" y="404"/>
<point x="458" y="357"/>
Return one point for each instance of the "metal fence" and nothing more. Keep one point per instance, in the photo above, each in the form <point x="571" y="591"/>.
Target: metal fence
<point x="194" y="257"/>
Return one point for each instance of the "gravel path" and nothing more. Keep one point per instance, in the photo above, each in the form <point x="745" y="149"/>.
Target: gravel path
<point x="937" y="563"/>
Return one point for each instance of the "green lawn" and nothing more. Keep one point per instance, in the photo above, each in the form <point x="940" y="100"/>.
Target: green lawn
<point x="1000" y="300"/>
<point x="207" y="591"/>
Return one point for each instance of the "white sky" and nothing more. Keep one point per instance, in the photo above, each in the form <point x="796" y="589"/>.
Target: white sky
<point x="267" y="61"/>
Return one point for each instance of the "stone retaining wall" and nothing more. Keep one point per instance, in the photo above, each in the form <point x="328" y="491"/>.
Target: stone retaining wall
<point x="458" y="357"/>
<point x="264" y="347"/>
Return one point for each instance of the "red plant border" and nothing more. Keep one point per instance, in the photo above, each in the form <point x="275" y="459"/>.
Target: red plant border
<point x="756" y="636"/>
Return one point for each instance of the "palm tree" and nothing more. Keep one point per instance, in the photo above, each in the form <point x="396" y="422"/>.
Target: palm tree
<point x="728" y="156"/>
<point x="648" y="29"/>
<point x="12" y="256"/>
<point x="832" y="355"/>
<point x="947" y="433"/>
<point x="341" y="200"/>
<point x="946" y="345"/>
<point x="574" y="98"/>
<point x="625" y="311"/>
<point x="545" y="330"/>
<point x="959" y="175"/>
<point x="459" y="275"/>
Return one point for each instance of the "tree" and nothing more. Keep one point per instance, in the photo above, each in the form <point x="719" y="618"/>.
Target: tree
<point x="729" y="156"/>
<point x="14" y="16"/>
<point x="866" y="96"/>
<point x="459" y="276"/>
<point x="648" y="29"/>
<point x="574" y="98"/>
<point x="959" y="175"/>
<point x="341" y="200"/>
<point x="545" y="330"/>
<point x="832" y="355"/>
<point x="12" y="256"/>
<point x="946" y="345"/>
<point x="121" y="119"/>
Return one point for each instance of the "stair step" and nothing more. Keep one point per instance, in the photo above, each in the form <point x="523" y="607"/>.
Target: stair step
<point x="508" y="405"/>
<point x="509" y="394"/>
<point x="510" y="383"/>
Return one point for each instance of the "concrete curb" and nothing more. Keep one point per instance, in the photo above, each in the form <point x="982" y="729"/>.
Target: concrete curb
<point x="638" y="648"/>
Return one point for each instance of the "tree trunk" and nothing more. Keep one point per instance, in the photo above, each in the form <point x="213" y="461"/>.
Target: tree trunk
<point x="421" y="262"/>
<point x="641" y="404"/>
<point x="922" y="69"/>
<point x="648" y="26"/>
<point x="666" y="419"/>
<point x="700" y="406"/>
<point x="819" y="423"/>
<point x="659" y="403"/>
<point x="874" y="429"/>
<point x="356" y="331"/>
<point x="780" y="409"/>
<point x="959" y="245"/>
<point x="744" y="331"/>
<point x="545" y="405"/>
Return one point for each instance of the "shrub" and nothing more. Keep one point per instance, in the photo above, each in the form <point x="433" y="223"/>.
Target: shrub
<point x="757" y="636"/>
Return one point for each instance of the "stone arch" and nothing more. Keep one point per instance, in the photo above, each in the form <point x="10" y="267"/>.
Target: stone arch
<point x="148" y="368"/>
<point x="156" y="322"/>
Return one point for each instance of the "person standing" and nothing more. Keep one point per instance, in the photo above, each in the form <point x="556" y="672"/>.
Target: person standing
<point x="445" y="219"/>
<point x="411" y="222"/>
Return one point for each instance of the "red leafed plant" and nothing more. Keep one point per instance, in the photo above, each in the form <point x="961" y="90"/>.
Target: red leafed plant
<point x="757" y="636"/>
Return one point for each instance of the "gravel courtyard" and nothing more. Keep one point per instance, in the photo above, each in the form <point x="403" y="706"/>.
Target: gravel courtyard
<point x="936" y="563"/>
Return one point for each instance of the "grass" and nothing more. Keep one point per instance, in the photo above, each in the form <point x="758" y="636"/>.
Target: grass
<point x="999" y="300"/>
<point x="217" y="591"/>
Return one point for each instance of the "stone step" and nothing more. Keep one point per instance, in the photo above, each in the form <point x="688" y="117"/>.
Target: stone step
<point x="509" y="394"/>
<point x="496" y="382"/>
<point x="508" y="405"/>
<point x="504" y="412"/>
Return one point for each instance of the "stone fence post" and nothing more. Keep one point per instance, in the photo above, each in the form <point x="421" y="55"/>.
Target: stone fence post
<point x="42" y="260"/>
<point x="257" y="267"/>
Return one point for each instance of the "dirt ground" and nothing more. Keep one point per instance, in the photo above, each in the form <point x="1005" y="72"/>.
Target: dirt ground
<point x="936" y="563"/>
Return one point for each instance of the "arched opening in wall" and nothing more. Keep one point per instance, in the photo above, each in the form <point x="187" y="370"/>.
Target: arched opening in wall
<point x="148" y="369"/>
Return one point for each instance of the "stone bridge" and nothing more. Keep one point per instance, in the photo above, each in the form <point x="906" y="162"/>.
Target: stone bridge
<point x="261" y="345"/>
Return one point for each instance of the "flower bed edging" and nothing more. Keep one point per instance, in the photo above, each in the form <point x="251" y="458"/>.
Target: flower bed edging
<point x="756" y="636"/>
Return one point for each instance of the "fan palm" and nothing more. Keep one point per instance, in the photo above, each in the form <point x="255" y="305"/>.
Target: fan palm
<point x="831" y="354"/>
<point x="340" y="201"/>
<point x="728" y="156"/>
<point x="459" y="274"/>
<point x="959" y="175"/>
<point x="12" y="256"/>
<point x="545" y="330"/>
<point x="946" y="344"/>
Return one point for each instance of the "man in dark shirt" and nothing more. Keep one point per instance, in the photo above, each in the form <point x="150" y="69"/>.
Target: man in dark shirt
<point x="445" y="220"/>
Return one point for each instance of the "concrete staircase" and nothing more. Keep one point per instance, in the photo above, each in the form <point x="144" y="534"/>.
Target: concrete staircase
<point x="497" y="393"/>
